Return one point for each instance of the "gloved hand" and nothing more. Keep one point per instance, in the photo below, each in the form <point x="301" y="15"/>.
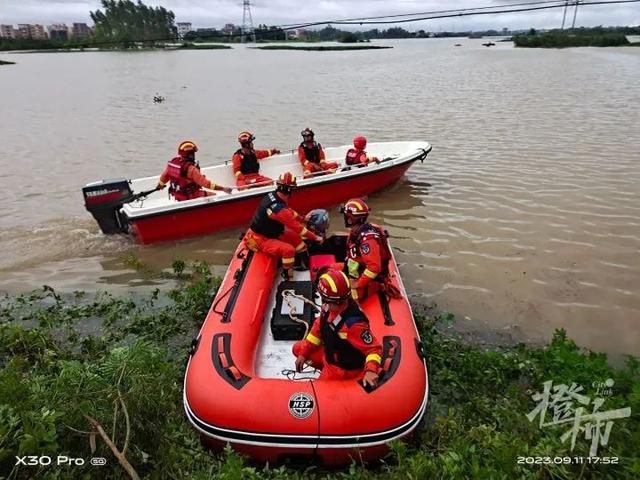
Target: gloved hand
<point x="275" y="151"/>
<point x="370" y="379"/>
<point x="227" y="189"/>
<point x="319" y="239"/>
<point x="300" y="361"/>
<point x="160" y="186"/>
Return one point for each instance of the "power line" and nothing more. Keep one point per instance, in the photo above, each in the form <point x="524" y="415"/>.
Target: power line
<point x="465" y="14"/>
<point x="432" y="12"/>
<point x="434" y="15"/>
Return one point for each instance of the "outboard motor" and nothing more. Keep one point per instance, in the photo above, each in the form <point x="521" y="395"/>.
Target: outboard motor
<point x="104" y="199"/>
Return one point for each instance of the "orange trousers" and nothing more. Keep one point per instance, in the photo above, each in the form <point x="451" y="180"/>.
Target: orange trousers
<point x="284" y="247"/>
<point x="314" y="168"/>
<point x="251" y="179"/>
<point x="328" y="370"/>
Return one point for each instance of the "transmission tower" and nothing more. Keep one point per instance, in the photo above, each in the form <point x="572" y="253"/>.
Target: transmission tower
<point x="575" y="12"/>
<point x="247" y="22"/>
<point x="564" y="15"/>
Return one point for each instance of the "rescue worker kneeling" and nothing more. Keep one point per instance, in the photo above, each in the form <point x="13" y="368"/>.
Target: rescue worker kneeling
<point x="245" y="161"/>
<point x="357" y="156"/>
<point x="278" y="230"/>
<point x="368" y="254"/>
<point x="183" y="175"/>
<point x="340" y="342"/>
<point x="312" y="157"/>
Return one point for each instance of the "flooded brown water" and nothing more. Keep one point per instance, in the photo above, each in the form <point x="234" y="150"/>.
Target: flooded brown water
<point x="525" y="217"/>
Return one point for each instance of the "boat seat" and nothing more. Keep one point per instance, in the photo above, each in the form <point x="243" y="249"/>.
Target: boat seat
<point x="316" y="262"/>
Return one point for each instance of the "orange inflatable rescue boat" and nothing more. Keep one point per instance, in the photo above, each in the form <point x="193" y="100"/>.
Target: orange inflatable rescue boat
<point x="241" y="387"/>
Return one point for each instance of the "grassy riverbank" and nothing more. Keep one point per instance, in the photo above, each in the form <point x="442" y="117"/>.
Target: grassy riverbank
<point x="579" y="37"/>
<point x="67" y="363"/>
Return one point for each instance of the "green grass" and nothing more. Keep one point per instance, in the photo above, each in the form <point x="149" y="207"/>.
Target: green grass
<point x="564" y="39"/>
<point x="65" y="359"/>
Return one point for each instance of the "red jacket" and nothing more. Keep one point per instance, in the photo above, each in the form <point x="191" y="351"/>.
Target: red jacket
<point x="236" y="160"/>
<point x="356" y="157"/>
<point x="302" y="156"/>
<point x="367" y="254"/>
<point x="174" y="169"/>
<point x="292" y="220"/>
<point x="354" y="331"/>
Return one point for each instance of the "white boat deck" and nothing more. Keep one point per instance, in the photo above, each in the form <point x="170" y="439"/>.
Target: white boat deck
<point x="274" y="358"/>
<point x="272" y="167"/>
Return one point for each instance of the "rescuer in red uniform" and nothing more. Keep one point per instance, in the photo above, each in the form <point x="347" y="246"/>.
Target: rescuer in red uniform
<point x="278" y="230"/>
<point x="368" y="254"/>
<point x="340" y="341"/>
<point x="246" y="167"/>
<point x="183" y="175"/>
<point x="311" y="155"/>
<point x="357" y="155"/>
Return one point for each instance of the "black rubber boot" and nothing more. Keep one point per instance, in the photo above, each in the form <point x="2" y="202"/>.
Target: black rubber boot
<point x="287" y="274"/>
<point x="301" y="262"/>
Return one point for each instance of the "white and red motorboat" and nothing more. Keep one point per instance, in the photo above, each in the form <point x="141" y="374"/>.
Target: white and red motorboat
<point x="122" y="206"/>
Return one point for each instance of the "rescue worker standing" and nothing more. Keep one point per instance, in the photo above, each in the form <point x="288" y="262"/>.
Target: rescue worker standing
<point x="357" y="156"/>
<point x="183" y="175"/>
<point x="246" y="167"/>
<point x="340" y="342"/>
<point x="278" y="230"/>
<point x="368" y="253"/>
<point x="311" y="155"/>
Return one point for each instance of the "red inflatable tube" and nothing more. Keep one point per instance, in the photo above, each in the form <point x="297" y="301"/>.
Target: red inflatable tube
<point x="272" y="417"/>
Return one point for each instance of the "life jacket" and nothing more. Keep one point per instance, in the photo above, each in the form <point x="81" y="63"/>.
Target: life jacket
<point x="312" y="153"/>
<point x="353" y="156"/>
<point x="339" y="351"/>
<point x="374" y="233"/>
<point x="248" y="162"/>
<point x="261" y="223"/>
<point x="177" y="172"/>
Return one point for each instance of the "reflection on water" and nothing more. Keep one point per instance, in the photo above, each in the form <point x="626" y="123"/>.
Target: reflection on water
<point x="525" y="218"/>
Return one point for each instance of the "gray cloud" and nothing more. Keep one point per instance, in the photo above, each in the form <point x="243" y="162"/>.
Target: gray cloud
<point x="215" y="13"/>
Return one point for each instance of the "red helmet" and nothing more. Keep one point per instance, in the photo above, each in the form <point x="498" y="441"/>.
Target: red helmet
<point x="187" y="148"/>
<point x="355" y="211"/>
<point x="246" y="138"/>
<point x="287" y="179"/>
<point x="286" y="183"/>
<point x="333" y="286"/>
<point x="359" y="142"/>
<point x="307" y="132"/>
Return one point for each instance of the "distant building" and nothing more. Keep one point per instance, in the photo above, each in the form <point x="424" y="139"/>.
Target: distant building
<point x="81" y="30"/>
<point x="183" y="29"/>
<point x="6" y="31"/>
<point x="58" y="31"/>
<point x="37" y="32"/>
<point x="228" y="29"/>
<point x="24" y="30"/>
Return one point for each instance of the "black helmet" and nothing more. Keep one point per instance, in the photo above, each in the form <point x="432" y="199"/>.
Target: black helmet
<point x="307" y="132"/>
<point x="318" y="221"/>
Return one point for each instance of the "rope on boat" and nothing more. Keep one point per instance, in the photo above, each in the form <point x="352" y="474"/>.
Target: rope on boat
<point x="288" y="296"/>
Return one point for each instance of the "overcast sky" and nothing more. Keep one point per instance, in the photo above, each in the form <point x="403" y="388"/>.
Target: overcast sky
<point x="215" y="13"/>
